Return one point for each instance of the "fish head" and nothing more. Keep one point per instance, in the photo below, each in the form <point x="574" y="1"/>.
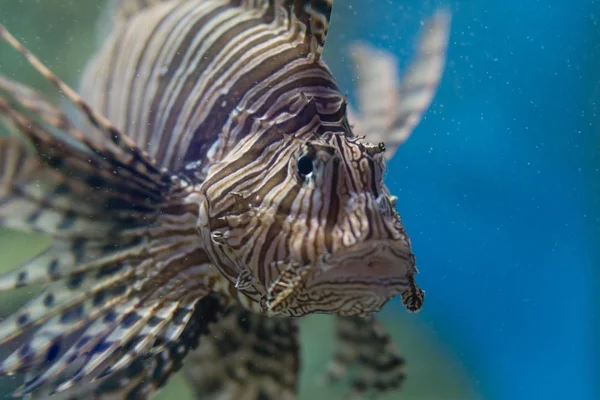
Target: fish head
<point x="308" y="226"/>
<point x="346" y="230"/>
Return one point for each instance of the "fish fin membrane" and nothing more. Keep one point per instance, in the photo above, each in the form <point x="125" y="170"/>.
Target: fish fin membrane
<point x="97" y="320"/>
<point x="246" y="355"/>
<point x="125" y="270"/>
<point x="314" y="15"/>
<point x="389" y="107"/>
<point x="366" y="356"/>
<point x="146" y="374"/>
<point x="110" y="137"/>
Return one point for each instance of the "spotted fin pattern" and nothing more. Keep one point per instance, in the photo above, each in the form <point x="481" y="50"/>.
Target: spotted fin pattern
<point x="366" y="356"/>
<point x="114" y="141"/>
<point x="147" y="374"/>
<point x="247" y="356"/>
<point x="315" y="15"/>
<point x="125" y="269"/>
<point x="389" y="107"/>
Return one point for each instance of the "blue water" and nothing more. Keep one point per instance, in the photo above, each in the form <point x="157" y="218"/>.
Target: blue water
<point x="495" y="191"/>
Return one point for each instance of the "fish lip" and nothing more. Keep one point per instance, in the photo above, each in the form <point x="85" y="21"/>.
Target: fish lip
<point x="383" y="268"/>
<point x="363" y="277"/>
<point x="373" y="251"/>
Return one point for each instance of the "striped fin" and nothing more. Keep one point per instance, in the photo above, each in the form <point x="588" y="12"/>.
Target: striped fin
<point x="390" y="108"/>
<point x="181" y="76"/>
<point x="95" y="313"/>
<point x="147" y="373"/>
<point x="93" y="278"/>
<point x="246" y="356"/>
<point x="136" y="158"/>
<point x="94" y="323"/>
<point x="315" y="15"/>
<point x="37" y="194"/>
<point x="365" y="354"/>
<point x="125" y="269"/>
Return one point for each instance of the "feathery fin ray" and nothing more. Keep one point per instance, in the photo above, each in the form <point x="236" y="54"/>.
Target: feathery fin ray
<point x="119" y="272"/>
<point x="114" y="136"/>
<point x="314" y="14"/>
<point x="147" y="373"/>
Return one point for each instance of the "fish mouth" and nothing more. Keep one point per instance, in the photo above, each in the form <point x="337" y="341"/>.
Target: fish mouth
<point x="376" y="268"/>
<point x="377" y="258"/>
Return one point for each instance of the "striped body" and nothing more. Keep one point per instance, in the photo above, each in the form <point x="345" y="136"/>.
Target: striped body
<point x="232" y="95"/>
<point x="188" y="79"/>
<point x="216" y="182"/>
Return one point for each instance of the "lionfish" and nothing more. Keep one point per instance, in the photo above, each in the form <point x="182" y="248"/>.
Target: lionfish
<point x="208" y="189"/>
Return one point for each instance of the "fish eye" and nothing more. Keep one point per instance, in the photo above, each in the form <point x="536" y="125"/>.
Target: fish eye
<point x="305" y="165"/>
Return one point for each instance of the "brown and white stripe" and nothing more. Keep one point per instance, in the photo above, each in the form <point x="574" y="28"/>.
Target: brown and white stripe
<point x="177" y="75"/>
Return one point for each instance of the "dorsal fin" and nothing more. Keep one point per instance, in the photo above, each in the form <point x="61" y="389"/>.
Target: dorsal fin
<point x="170" y="74"/>
<point x="315" y="15"/>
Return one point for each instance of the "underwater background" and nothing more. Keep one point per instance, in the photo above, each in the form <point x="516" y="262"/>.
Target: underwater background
<point x="499" y="189"/>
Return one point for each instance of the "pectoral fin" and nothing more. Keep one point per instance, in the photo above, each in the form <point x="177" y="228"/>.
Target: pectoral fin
<point x="366" y="356"/>
<point x="246" y="356"/>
